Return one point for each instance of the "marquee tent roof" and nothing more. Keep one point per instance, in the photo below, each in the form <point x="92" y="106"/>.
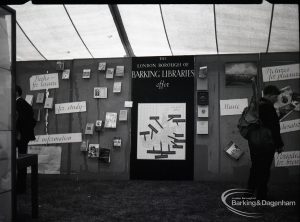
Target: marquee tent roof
<point x="58" y="32"/>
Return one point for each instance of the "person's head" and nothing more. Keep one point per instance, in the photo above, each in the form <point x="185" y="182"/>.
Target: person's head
<point x="271" y="93"/>
<point x="18" y="91"/>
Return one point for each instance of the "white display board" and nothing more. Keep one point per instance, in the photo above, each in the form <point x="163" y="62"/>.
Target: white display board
<point x="290" y="126"/>
<point x="44" y="81"/>
<point x="161" y="132"/>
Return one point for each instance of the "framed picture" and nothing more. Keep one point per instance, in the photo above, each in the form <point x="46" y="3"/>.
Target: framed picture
<point x="48" y="103"/>
<point x="86" y="73"/>
<point x="240" y="74"/>
<point x="110" y="120"/>
<point x="29" y="99"/>
<point x="40" y="97"/>
<point x="123" y="115"/>
<point x="98" y="125"/>
<point x="60" y="65"/>
<point x="104" y="155"/>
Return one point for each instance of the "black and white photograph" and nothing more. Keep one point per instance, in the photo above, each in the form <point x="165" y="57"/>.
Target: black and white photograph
<point x="240" y="74"/>
<point x="149" y="111"/>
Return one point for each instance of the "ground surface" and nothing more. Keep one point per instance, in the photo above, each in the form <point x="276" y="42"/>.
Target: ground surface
<point x="73" y="199"/>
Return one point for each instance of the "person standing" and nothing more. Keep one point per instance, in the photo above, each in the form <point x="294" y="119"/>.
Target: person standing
<point x="262" y="154"/>
<point x="25" y="124"/>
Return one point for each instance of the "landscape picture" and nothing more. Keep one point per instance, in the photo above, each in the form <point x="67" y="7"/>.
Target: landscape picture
<point x="240" y="74"/>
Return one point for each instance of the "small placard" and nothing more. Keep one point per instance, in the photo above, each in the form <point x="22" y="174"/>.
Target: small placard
<point x="110" y="73"/>
<point x="286" y="159"/>
<point x="66" y="74"/>
<point x="48" y="103"/>
<point x="44" y="81"/>
<point x="100" y="92"/>
<point x="74" y="107"/>
<point x="128" y="104"/>
<point x="56" y="138"/>
<point x="202" y="97"/>
<point x="233" y="106"/>
<point x="102" y="66"/>
<point x="89" y="129"/>
<point x="120" y="71"/>
<point x="86" y="73"/>
<point x="98" y="125"/>
<point x="117" y="142"/>
<point x="117" y="87"/>
<point x="110" y="120"/>
<point x="233" y="151"/>
<point x="202" y="111"/>
<point x="93" y="151"/>
<point x="123" y="115"/>
<point x="60" y="65"/>
<point x="84" y="146"/>
<point x="202" y="127"/>
<point x="202" y="72"/>
<point x="104" y="155"/>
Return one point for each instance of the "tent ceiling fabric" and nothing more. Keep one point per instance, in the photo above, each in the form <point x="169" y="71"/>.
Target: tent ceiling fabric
<point x="60" y="32"/>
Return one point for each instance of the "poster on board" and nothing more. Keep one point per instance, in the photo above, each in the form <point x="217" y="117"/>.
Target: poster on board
<point x="161" y="131"/>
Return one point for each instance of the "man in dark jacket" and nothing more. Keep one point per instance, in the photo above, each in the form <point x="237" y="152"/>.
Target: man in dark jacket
<point x="262" y="154"/>
<point x="25" y="132"/>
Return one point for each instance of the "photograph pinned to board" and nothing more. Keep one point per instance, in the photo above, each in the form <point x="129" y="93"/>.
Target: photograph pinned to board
<point x="89" y="129"/>
<point x="233" y="151"/>
<point x="117" y="142"/>
<point x="86" y="73"/>
<point x="98" y="125"/>
<point x="93" y="151"/>
<point x="104" y="155"/>
<point x="48" y="103"/>
<point x="84" y="146"/>
<point x="60" y="65"/>
<point x="123" y="115"/>
<point x="110" y="73"/>
<point x="285" y="104"/>
<point x="120" y="71"/>
<point x="102" y="66"/>
<point x="100" y="92"/>
<point x="40" y="97"/>
<point x="117" y="87"/>
<point x="110" y="120"/>
<point x="202" y="111"/>
<point x="66" y="74"/>
<point x="240" y="73"/>
<point x="29" y="99"/>
<point x="128" y="104"/>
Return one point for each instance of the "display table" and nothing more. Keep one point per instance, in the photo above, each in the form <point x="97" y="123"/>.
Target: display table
<point x="31" y="160"/>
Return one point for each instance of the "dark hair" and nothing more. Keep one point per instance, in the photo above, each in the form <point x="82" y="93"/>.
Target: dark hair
<point x="271" y="90"/>
<point x="19" y="90"/>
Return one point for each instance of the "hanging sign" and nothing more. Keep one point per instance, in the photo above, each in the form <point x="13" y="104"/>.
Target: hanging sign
<point x="44" y="81"/>
<point x="290" y="158"/>
<point x="57" y="138"/>
<point x="276" y="73"/>
<point x="289" y="126"/>
<point x="232" y="106"/>
<point x="74" y="107"/>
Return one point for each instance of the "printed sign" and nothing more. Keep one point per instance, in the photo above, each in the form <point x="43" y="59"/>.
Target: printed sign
<point x="202" y="127"/>
<point x="290" y="158"/>
<point x="74" y="107"/>
<point x="44" y="81"/>
<point x="276" y="73"/>
<point x="49" y="158"/>
<point x="56" y="138"/>
<point x="289" y="126"/>
<point x="233" y="106"/>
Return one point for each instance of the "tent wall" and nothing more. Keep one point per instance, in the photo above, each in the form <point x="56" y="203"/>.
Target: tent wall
<point x="210" y="161"/>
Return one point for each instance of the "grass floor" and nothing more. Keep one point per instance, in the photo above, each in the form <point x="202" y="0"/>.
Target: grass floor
<point x="71" y="199"/>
